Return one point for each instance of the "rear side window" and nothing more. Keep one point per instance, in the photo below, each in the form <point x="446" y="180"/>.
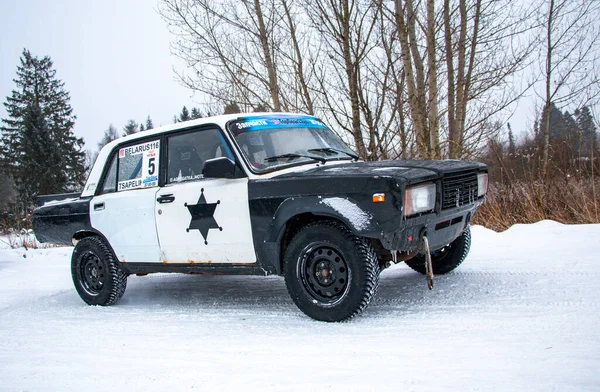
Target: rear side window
<point x="133" y="167"/>
<point x="110" y="182"/>
<point x="187" y="153"/>
<point x="138" y="166"/>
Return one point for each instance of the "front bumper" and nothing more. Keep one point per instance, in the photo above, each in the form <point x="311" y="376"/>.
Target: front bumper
<point x="441" y="228"/>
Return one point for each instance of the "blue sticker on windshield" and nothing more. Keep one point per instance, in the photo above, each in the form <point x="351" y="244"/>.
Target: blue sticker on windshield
<point x="260" y="123"/>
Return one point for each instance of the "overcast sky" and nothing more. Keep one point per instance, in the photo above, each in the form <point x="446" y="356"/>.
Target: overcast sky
<point x="113" y="56"/>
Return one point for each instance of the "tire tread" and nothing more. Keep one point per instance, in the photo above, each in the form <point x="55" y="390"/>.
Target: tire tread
<point x="117" y="276"/>
<point x="369" y="266"/>
<point x="451" y="262"/>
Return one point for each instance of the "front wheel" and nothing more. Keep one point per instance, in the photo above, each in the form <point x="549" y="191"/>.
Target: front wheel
<point x="330" y="273"/>
<point x="98" y="278"/>
<point x="447" y="258"/>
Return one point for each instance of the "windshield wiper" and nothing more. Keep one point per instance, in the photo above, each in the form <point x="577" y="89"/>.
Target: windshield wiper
<point x="330" y="149"/>
<point x="293" y="155"/>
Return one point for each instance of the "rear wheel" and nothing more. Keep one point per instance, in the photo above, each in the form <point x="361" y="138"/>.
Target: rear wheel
<point x="330" y="273"/>
<point x="447" y="258"/>
<point x="98" y="278"/>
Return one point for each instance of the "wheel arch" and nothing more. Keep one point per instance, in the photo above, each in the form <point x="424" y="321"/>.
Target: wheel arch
<point x="297" y="212"/>
<point x="81" y="234"/>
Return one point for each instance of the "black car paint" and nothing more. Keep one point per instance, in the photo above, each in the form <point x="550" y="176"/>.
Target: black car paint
<point x="58" y="221"/>
<point x="275" y="201"/>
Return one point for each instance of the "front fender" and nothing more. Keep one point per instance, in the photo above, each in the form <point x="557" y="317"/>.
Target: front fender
<point x="347" y="210"/>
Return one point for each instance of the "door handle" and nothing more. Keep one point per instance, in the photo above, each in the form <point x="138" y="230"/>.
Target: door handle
<point x="166" y="199"/>
<point x="98" y="206"/>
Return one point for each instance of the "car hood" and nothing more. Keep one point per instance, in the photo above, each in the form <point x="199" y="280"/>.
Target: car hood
<point x="411" y="171"/>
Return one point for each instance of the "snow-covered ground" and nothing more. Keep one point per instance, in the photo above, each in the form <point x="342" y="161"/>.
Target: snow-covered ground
<point x="521" y="314"/>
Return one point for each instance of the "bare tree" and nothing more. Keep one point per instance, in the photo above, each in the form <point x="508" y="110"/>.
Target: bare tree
<point x="264" y="36"/>
<point x="571" y="55"/>
<point x="482" y="45"/>
<point x="419" y="78"/>
<point x="399" y="142"/>
<point x="229" y="47"/>
<point x="406" y="21"/>
<point x="432" y="73"/>
<point x="347" y="30"/>
<point x="297" y="58"/>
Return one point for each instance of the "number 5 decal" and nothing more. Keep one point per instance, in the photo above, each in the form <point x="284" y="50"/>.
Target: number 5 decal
<point x="151" y="166"/>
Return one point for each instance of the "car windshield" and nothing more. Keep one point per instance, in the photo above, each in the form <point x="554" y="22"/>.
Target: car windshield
<point x="279" y="140"/>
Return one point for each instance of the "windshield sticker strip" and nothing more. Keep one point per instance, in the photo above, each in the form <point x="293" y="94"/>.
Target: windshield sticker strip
<point x="262" y="123"/>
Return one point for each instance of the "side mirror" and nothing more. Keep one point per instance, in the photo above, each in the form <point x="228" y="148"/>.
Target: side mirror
<point x="222" y="167"/>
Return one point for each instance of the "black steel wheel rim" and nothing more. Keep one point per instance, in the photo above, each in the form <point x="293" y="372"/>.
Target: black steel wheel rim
<point x="92" y="271"/>
<point x="324" y="274"/>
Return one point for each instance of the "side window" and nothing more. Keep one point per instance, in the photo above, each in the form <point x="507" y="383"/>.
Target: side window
<point x="138" y="166"/>
<point x="110" y="181"/>
<point x="187" y="153"/>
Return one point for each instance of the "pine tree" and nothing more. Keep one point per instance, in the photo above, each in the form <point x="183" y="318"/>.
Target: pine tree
<point x="40" y="102"/>
<point x="185" y="115"/>
<point x="558" y="124"/>
<point x="231" y="108"/>
<point x="149" y="124"/>
<point x="586" y="129"/>
<point x="511" y="141"/>
<point x="141" y="128"/>
<point x="130" y="128"/>
<point x="7" y="192"/>
<point x="109" y="135"/>
<point x="41" y="173"/>
<point x="260" y="108"/>
<point x="196" y="114"/>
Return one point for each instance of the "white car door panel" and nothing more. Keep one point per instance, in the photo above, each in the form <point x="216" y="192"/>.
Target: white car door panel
<point x="202" y="220"/>
<point x="124" y="210"/>
<point x="208" y="221"/>
<point x="127" y="220"/>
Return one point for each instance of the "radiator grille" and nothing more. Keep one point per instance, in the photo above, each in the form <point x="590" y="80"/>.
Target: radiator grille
<point x="459" y="189"/>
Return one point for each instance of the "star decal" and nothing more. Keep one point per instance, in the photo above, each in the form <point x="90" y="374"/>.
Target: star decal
<point x="203" y="216"/>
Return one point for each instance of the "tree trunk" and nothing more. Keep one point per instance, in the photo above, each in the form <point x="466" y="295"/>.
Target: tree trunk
<point x="306" y="96"/>
<point x="546" y="112"/>
<point x="434" y="137"/>
<point x="456" y="140"/>
<point x="416" y="110"/>
<point x="411" y="20"/>
<point x="272" y="72"/>
<point x="451" y="82"/>
<point x="352" y="76"/>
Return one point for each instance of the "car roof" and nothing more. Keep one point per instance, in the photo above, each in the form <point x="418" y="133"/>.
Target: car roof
<point x="220" y="120"/>
<point x="94" y="177"/>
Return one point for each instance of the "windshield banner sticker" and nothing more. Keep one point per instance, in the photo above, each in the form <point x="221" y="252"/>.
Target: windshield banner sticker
<point x="262" y="123"/>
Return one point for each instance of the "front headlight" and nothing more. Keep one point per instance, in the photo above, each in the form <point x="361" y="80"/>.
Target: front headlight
<point x="419" y="198"/>
<point x="482" y="184"/>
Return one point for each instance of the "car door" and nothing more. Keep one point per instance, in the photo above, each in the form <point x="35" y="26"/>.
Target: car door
<point x="201" y="220"/>
<point x="123" y="208"/>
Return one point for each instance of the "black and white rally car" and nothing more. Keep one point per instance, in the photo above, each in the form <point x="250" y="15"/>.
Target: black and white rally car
<point x="261" y="194"/>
